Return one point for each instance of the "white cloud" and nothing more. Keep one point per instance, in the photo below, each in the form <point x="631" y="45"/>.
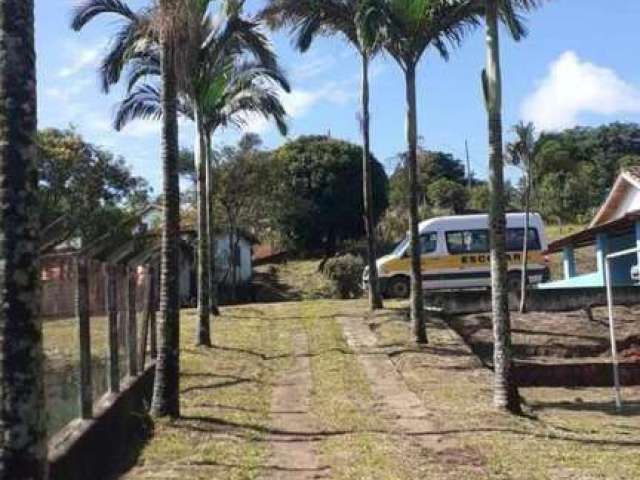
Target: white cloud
<point x="313" y="67"/>
<point x="82" y="58"/>
<point x="573" y="87"/>
<point x="299" y="102"/>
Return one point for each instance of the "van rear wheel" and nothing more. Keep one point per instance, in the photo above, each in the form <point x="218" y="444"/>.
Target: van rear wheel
<point x="399" y="287"/>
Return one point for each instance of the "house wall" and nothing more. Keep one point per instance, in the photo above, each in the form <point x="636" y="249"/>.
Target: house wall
<point x="244" y="271"/>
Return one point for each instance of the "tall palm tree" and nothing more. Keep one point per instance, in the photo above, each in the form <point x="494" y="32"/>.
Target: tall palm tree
<point x="22" y="417"/>
<point x="506" y="396"/>
<point x="410" y="27"/>
<point x="222" y="58"/>
<point x="308" y="19"/>
<point x="241" y="81"/>
<point x="521" y="154"/>
<point x="164" y="22"/>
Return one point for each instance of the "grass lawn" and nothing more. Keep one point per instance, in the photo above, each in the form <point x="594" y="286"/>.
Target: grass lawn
<point x="226" y="429"/>
<point x="571" y="433"/>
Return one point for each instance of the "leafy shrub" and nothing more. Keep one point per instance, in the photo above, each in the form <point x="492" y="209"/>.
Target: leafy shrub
<point x="345" y="274"/>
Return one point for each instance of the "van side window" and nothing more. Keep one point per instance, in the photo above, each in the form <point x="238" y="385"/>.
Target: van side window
<point x="428" y="242"/>
<point x="468" y="241"/>
<point x="515" y="239"/>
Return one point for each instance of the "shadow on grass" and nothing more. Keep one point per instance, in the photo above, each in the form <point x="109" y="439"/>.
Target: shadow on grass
<point x="144" y="431"/>
<point x="218" y="425"/>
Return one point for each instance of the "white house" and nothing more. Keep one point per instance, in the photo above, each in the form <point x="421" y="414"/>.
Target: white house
<point x="244" y="264"/>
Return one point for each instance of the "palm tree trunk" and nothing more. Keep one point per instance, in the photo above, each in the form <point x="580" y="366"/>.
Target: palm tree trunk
<point x="375" y="298"/>
<point x="506" y="395"/>
<point x="166" y="389"/>
<point x="525" y="245"/>
<point x="213" y="246"/>
<point x="22" y="415"/>
<point x="417" y="299"/>
<point x="203" y="336"/>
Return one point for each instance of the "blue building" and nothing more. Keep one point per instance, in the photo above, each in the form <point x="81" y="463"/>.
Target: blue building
<point x="615" y="227"/>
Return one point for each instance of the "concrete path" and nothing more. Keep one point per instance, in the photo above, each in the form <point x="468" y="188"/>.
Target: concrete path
<point x="293" y="437"/>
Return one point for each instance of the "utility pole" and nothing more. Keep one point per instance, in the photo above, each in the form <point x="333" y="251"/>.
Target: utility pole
<point x="466" y="148"/>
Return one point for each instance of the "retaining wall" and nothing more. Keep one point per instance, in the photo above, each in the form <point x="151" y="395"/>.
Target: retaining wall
<point x="547" y="300"/>
<point x="582" y="374"/>
<point x="95" y="449"/>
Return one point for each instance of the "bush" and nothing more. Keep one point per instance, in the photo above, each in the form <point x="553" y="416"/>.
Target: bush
<point x="345" y="274"/>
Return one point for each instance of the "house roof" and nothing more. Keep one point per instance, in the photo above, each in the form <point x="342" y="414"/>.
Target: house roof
<point x="587" y="237"/>
<point x="628" y="178"/>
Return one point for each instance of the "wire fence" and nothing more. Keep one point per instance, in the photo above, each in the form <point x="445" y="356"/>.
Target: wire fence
<point x="99" y="327"/>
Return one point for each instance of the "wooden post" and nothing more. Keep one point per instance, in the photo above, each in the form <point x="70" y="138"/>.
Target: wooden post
<point x="568" y="262"/>
<point x="84" y="335"/>
<point x="149" y="311"/>
<point x="132" y="324"/>
<point x="153" y="343"/>
<point x="602" y="248"/>
<point x="112" y="319"/>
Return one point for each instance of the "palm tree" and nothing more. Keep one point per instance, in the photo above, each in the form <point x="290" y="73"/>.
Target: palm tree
<point x="521" y="153"/>
<point x="410" y="27"/>
<point x="506" y="396"/>
<point x="308" y="19"/>
<point x="213" y="70"/>
<point x="21" y="384"/>
<point x="164" y="22"/>
<point x="237" y="74"/>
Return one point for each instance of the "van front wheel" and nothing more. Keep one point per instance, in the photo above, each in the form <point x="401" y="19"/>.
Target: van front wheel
<point x="399" y="287"/>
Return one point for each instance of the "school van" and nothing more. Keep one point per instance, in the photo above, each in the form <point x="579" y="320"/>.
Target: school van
<point x="455" y="255"/>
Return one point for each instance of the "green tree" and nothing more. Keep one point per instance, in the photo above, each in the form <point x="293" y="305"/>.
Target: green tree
<point x="318" y="206"/>
<point x="448" y="195"/>
<point x="506" y="394"/>
<point x="432" y="166"/>
<point x="239" y="193"/>
<point x="22" y="415"/>
<point x="230" y="72"/>
<point x="410" y="27"/>
<point x="521" y="153"/>
<point x="603" y="150"/>
<point x="308" y="19"/>
<point x="86" y="184"/>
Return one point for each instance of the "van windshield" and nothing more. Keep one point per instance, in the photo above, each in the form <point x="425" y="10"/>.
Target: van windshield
<point x="401" y="247"/>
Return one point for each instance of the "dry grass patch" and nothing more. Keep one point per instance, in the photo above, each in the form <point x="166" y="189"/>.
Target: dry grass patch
<point x="226" y="394"/>
<point x="357" y="445"/>
<point x="565" y="438"/>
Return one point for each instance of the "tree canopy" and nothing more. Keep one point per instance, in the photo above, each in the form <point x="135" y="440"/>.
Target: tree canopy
<point x="318" y="183"/>
<point x="88" y="184"/>
<point x="577" y="168"/>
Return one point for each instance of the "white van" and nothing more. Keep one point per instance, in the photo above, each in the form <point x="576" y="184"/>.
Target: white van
<point x="455" y="254"/>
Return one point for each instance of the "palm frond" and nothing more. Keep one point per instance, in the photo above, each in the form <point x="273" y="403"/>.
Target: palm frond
<point x="87" y="10"/>
<point x="142" y="103"/>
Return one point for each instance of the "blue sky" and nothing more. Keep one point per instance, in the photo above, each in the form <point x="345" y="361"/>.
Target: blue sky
<point x="578" y="66"/>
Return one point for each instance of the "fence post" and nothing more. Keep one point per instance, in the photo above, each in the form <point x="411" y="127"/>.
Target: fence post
<point x="112" y="325"/>
<point x="84" y="335"/>
<point x="153" y="343"/>
<point x="148" y="309"/>
<point x="132" y="324"/>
